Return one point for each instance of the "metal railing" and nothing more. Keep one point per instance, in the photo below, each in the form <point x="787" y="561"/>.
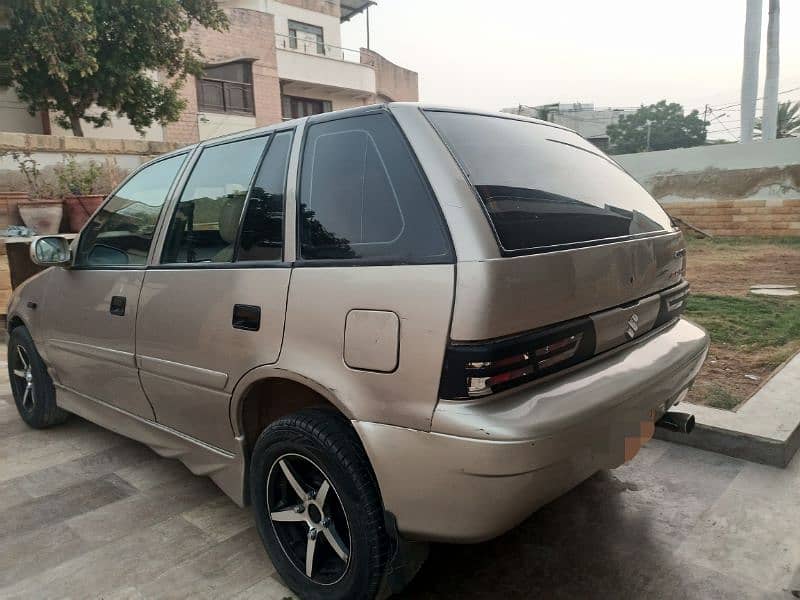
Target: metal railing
<point x="294" y="44"/>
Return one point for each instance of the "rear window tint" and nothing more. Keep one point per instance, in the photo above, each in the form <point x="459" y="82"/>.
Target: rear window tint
<point x="545" y="188"/>
<point x="362" y="196"/>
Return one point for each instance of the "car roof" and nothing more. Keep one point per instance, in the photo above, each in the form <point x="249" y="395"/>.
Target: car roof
<point x="370" y="109"/>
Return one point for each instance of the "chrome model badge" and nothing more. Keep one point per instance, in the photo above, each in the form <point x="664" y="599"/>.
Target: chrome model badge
<point x="633" y="326"/>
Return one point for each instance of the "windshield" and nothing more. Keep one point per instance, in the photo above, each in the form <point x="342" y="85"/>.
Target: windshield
<point x="545" y="188"/>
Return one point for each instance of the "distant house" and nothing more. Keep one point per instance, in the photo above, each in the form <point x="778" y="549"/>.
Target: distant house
<point x="583" y="117"/>
<point x="280" y="59"/>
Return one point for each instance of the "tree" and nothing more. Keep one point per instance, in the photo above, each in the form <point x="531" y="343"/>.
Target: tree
<point x="659" y="126"/>
<point x="788" y="119"/>
<point x="68" y="55"/>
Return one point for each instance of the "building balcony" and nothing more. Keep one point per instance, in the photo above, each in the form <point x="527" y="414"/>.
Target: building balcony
<point x="325" y="65"/>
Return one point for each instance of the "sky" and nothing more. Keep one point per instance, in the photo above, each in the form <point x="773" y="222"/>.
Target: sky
<point x="623" y="53"/>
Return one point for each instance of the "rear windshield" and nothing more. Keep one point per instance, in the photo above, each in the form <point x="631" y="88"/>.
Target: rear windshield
<point x="545" y="188"/>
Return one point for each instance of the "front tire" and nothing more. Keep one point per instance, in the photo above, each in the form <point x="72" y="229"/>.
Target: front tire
<point x="31" y="385"/>
<point x="317" y="507"/>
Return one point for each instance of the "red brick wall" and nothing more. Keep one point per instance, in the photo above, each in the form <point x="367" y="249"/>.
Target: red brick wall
<point x="252" y="36"/>
<point x="740" y="217"/>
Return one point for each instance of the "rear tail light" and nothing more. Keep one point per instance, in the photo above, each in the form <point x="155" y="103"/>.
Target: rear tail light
<point x="476" y="370"/>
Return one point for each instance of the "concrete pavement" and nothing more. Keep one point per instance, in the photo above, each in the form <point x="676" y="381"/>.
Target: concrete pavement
<point x="85" y="513"/>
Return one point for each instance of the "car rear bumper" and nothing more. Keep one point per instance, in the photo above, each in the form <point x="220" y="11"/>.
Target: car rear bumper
<point x="488" y="465"/>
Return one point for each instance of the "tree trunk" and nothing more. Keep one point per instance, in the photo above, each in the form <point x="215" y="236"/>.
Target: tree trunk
<point x="77" y="128"/>
<point x="752" y="49"/>
<point x="769" y="120"/>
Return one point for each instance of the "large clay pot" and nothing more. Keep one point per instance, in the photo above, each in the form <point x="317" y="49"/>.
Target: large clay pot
<point x="43" y="216"/>
<point x="80" y="208"/>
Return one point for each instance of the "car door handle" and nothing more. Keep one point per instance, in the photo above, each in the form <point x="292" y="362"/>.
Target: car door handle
<point x="117" y="306"/>
<point x="247" y="317"/>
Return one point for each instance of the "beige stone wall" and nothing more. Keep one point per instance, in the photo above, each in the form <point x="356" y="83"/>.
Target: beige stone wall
<point x="252" y="36"/>
<point x="772" y="217"/>
<point x="392" y="82"/>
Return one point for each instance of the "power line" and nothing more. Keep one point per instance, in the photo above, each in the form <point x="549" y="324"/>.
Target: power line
<point x="724" y="126"/>
<point x="728" y="106"/>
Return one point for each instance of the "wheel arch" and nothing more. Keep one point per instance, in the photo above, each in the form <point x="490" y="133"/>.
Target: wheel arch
<point x="265" y="394"/>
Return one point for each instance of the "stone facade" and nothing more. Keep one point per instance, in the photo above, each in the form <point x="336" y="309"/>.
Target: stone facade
<point x="251" y="36"/>
<point x="327" y="7"/>
<point x="773" y="217"/>
<point x="392" y="82"/>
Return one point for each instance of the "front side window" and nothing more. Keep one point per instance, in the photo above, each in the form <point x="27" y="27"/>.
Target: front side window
<point x="362" y="196"/>
<point x="227" y="88"/>
<point x="545" y="188"/>
<point x="121" y="233"/>
<point x="206" y="219"/>
<point x="262" y="227"/>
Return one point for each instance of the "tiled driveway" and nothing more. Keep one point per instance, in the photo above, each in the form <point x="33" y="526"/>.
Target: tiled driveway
<point x="85" y="513"/>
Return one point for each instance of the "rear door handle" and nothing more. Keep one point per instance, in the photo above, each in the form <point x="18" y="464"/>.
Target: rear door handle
<point x="118" y="306"/>
<point x="247" y="317"/>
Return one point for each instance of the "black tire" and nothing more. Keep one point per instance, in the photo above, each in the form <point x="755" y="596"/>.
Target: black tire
<point x="320" y="445"/>
<point x="36" y="402"/>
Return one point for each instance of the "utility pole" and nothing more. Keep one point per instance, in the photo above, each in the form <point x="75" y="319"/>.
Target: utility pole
<point x="649" y="128"/>
<point x="367" y="15"/>
<point x="769" y="119"/>
<point x="752" y="50"/>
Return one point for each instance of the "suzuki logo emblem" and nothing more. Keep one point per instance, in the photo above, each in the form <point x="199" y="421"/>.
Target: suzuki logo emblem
<point x="633" y="326"/>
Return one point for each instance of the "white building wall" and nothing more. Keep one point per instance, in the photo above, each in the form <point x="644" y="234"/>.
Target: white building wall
<point x="211" y="125"/>
<point x="14" y="115"/>
<point x="322" y="70"/>
<point x="119" y="128"/>
<point x="760" y="155"/>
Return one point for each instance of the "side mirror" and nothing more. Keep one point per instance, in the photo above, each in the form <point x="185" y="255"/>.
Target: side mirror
<point x="50" y="250"/>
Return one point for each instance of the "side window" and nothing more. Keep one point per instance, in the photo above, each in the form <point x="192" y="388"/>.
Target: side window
<point x="206" y="220"/>
<point x="262" y="229"/>
<point x="362" y="195"/>
<point x="122" y="231"/>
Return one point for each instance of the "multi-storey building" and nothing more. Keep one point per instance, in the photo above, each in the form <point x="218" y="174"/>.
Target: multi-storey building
<point x="279" y="59"/>
<point x="583" y="117"/>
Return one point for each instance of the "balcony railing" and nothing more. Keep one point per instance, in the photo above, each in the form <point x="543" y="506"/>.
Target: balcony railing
<point x="293" y="44"/>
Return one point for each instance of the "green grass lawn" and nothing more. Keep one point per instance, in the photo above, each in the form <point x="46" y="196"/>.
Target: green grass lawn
<point x="749" y="323"/>
<point x="752" y="334"/>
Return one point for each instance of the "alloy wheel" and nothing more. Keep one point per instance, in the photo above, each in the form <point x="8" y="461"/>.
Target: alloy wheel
<point x="308" y="518"/>
<point x="23" y="375"/>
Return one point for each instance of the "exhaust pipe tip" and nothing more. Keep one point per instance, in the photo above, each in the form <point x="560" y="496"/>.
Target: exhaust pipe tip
<point x="676" y="421"/>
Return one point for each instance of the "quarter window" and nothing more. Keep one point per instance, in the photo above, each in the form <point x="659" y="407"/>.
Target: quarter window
<point x="362" y="195"/>
<point x="262" y="229"/>
<point x="227" y="88"/>
<point x="206" y="220"/>
<point x="122" y="231"/>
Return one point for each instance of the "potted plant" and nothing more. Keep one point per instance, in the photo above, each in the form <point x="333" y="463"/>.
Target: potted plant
<point x="77" y="184"/>
<point x="43" y="212"/>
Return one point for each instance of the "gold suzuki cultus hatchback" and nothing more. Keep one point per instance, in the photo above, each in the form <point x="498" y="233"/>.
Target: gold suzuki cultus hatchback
<point x="382" y="326"/>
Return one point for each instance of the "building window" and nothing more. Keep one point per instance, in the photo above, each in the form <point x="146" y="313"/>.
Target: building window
<point x="227" y="89"/>
<point x="294" y="108"/>
<point x="307" y="38"/>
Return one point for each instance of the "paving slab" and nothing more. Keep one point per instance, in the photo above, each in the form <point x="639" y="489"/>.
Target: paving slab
<point x="765" y="429"/>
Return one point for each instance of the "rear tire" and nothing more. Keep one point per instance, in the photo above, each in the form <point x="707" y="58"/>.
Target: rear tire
<point x="31" y="385"/>
<point x="313" y="490"/>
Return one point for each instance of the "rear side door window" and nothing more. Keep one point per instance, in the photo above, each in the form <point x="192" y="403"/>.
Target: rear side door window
<point x="363" y="197"/>
<point x="261" y="238"/>
<point x="206" y="220"/>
